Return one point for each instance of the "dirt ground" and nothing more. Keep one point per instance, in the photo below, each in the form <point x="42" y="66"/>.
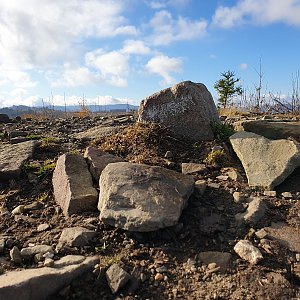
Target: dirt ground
<point x="207" y="224"/>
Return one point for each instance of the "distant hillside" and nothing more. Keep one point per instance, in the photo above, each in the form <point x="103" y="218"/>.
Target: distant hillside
<point x="18" y="110"/>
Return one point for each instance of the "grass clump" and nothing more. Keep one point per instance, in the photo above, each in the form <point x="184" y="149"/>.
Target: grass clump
<point x="222" y="131"/>
<point x="46" y="169"/>
<point x="217" y="157"/>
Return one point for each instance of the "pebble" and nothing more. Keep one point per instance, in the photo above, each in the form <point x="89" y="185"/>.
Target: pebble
<point x="213" y="185"/>
<point x="211" y="266"/>
<point x="15" y="255"/>
<point x="237" y="197"/>
<point x="143" y="277"/>
<point x="43" y="227"/>
<point x="49" y="262"/>
<point x="162" y="269"/>
<point x="222" y="177"/>
<point x="159" y="277"/>
<point x="287" y="195"/>
<point x="270" y="193"/>
<point x="18" y="210"/>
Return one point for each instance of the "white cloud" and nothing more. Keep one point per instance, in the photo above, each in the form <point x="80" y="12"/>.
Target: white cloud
<point x="258" y="12"/>
<point x="179" y="4"/>
<point x="113" y="66"/>
<point x="12" y="76"/>
<point x="40" y="32"/>
<point x="243" y="66"/>
<point x="135" y="47"/>
<point x="163" y="65"/>
<point x="166" y="29"/>
<point x="76" y="76"/>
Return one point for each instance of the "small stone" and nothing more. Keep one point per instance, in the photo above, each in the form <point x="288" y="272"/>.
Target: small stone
<point x="222" y="177"/>
<point x="235" y="175"/>
<point x="169" y="155"/>
<point x="297" y="256"/>
<point x="15" y="255"/>
<point x="9" y="243"/>
<point x="143" y="277"/>
<point x="192" y="168"/>
<point x="211" y="266"/>
<point x="18" y="210"/>
<point x="270" y="193"/>
<point x="248" y="252"/>
<point x="116" y="277"/>
<point x="287" y="195"/>
<point x="2" y="245"/>
<point x="38" y="257"/>
<point x="49" y="262"/>
<point x="200" y="186"/>
<point x="193" y="269"/>
<point x="162" y="269"/>
<point x="159" y="277"/>
<point x="43" y="227"/>
<point x="237" y="197"/>
<point x="213" y="185"/>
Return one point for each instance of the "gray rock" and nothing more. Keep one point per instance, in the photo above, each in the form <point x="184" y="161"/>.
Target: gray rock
<point x="138" y="197"/>
<point x="222" y="259"/>
<point x="267" y="163"/>
<point x="73" y="185"/>
<point x="270" y="193"/>
<point x="273" y="130"/>
<point x="192" y="168"/>
<point x="97" y="131"/>
<point x="18" y="210"/>
<point x="29" y="252"/>
<point x="13" y="156"/>
<point x="75" y="237"/>
<point x="2" y="244"/>
<point x="43" y="227"/>
<point x="248" y="252"/>
<point x="15" y="255"/>
<point x="286" y="235"/>
<point x="187" y="108"/>
<point x="255" y="211"/>
<point x="41" y="283"/>
<point x="116" y="277"/>
<point x="17" y="133"/>
<point x="200" y="186"/>
<point x="287" y="195"/>
<point x="98" y="160"/>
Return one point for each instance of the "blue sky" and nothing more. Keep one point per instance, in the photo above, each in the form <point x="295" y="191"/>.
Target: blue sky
<point x="112" y="51"/>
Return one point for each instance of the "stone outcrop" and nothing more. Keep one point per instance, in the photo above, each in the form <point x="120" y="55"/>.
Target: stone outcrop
<point x="98" y="160"/>
<point x="73" y="192"/>
<point x="138" y="197"/>
<point x="273" y="130"/>
<point x="41" y="283"/>
<point x="187" y="108"/>
<point x="267" y="163"/>
<point x="13" y="156"/>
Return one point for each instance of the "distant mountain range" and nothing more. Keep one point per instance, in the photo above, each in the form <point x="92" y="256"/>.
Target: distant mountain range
<point x="18" y="110"/>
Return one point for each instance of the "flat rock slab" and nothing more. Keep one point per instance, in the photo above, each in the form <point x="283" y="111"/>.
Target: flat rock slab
<point x="13" y="156"/>
<point x="284" y="234"/>
<point x="73" y="185"/>
<point x="98" y="131"/>
<point x="98" y="160"/>
<point x="267" y="163"/>
<point x="41" y="283"/>
<point x="273" y="130"/>
<point x="139" y="197"/>
<point x="187" y="108"/>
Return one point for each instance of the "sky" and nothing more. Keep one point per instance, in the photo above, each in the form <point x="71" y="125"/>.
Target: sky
<point x="121" y="51"/>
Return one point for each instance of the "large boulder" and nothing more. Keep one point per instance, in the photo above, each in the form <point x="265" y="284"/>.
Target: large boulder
<point x="187" y="108"/>
<point x="73" y="185"/>
<point x="13" y="156"/>
<point x="41" y="283"/>
<point x="139" y="197"/>
<point x="267" y="163"/>
<point x="271" y="129"/>
<point x="4" y="118"/>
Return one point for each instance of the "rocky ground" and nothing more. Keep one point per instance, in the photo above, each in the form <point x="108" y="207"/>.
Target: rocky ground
<point x="194" y="259"/>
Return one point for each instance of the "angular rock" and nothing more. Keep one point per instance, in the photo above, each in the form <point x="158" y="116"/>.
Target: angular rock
<point x="273" y="130"/>
<point x="255" y="211"/>
<point x="267" y="163"/>
<point x="138" y="197"/>
<point x="29" y="252"/>
<point x="98" y="160"/>
<point x="41" y="283"/>
<point x="248" y="252"/>
<point x="200" y="186"/>
<point x="192" y="168"/>
<point x="15" y="255"/>
<point x="187" y="108"/>
<point x="13" y="156"/>
<point x="73" y="185"/>
<point x="75" y="237"/>
<point x="116" y="277"/>
<point x="222" y="259"/>
<point x="270" y="193"/>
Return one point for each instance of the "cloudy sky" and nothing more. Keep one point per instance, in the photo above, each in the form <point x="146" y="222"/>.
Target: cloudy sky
<point x="110" y="51"/>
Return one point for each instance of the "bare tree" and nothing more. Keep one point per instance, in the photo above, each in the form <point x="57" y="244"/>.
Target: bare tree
<point x="295" y="93"/>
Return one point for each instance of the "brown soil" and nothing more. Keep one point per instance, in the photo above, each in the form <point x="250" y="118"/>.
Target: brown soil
<point x="207" y="224"/>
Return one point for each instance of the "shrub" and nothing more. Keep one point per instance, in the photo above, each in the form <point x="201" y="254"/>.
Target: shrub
<point x="218" y="157"/>
<point x="222" y="131"/>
